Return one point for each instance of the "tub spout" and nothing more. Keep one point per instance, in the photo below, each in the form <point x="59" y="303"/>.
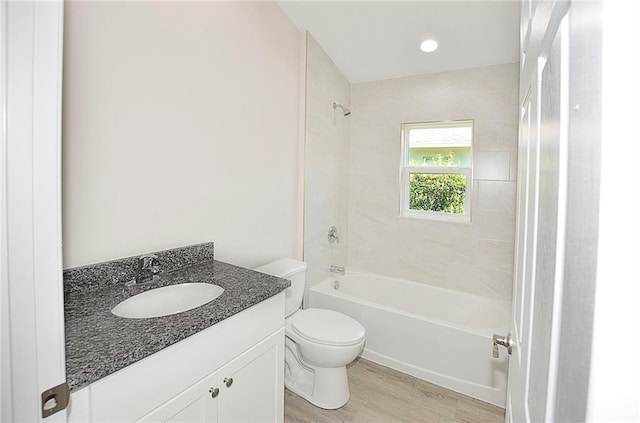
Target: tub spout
<point x="336" y="269"/>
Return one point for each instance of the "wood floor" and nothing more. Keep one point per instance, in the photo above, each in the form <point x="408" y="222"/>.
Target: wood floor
<point x="379" y="394"/>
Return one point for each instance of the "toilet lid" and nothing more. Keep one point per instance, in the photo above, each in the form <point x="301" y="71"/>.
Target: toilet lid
<point x="327" y="327"/>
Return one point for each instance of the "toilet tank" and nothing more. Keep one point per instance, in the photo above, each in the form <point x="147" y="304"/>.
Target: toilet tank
<point x="295" y="271"/>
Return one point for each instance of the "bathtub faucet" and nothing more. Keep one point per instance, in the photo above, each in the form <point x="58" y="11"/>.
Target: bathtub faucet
<point x="332" y="236"/>
<point x="336" y="269"/>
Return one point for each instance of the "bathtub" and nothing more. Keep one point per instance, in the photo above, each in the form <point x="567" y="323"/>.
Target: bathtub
<point x="435" y="334"/>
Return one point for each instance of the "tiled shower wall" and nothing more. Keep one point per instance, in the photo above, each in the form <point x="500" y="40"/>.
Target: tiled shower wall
<point x="326" y="162"/>
<point x="475" y="258"/>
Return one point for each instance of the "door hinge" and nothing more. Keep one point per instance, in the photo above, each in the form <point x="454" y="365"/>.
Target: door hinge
<point x="55" y="399"/>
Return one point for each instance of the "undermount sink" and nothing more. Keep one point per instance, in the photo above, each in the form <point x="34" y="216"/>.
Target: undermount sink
<point x="167" y="300"/>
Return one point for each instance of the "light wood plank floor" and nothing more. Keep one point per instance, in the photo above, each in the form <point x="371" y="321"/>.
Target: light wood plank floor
<point x="381" y="395"/>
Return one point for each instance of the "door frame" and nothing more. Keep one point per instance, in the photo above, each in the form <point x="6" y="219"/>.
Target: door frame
<point x="33" y="358"/>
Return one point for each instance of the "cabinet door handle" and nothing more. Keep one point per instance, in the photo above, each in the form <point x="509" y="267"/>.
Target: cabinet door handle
<point x="214" y="392"/>
<point x="228" y="381"/>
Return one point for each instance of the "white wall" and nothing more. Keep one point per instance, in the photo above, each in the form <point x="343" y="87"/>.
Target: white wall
<point x="475" y="258"/>
<point x="180" y="125"/>
<point x="614" y="381"/>
<point x="326" y="163"/>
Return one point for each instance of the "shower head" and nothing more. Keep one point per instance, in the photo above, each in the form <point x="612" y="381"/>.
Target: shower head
<point x="345" y="111"/>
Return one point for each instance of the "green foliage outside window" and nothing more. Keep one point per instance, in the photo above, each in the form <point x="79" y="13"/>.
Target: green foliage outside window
<point x="443" y="192"/>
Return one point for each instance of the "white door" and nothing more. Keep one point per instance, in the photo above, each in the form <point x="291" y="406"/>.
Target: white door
<point x="579" y="127"/>
<point x="542" y="194"/>
<point x="31" y="269"/>
<point x="197" y="404"/>
<point x="252" y="385"/>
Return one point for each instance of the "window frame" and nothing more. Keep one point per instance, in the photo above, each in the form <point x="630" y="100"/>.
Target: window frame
<point x="406" y="171"/>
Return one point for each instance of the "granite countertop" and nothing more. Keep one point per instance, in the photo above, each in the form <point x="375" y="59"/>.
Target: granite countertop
<point x="99" y="343"/>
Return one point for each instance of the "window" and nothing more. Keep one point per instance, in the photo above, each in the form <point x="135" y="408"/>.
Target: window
<point x="436" y="170"/>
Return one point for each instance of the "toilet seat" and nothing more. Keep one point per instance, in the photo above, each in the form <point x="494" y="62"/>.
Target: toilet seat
<point x="327" y="327"/>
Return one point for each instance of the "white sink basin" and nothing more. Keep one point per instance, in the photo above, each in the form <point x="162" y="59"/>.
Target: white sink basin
<point x="167" y="300"/>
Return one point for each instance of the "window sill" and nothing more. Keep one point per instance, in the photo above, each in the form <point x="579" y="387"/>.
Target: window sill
<point x="436" y="217"/>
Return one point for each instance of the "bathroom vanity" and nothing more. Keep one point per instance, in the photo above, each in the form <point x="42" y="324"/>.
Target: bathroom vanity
<point x="222" y="361"/>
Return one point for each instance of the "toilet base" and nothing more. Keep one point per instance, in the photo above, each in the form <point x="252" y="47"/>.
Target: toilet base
<point x="326" y="388"/>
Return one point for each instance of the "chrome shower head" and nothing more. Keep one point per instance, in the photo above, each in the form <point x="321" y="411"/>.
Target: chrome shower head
<point x="345" y="111"/>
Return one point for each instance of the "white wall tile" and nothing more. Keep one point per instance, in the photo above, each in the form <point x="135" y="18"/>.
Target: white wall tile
<point x="493" y="253"/>
<point x="481" y="280"/>
<point x="496" y="195"/>
<point x="496" y="135"/>
<point x="493" y="225"/>
<point x="326" y="164"/>
<point x="513" y="167"/>
<point x="493" y="166"/>
<point x="474" y="257"/>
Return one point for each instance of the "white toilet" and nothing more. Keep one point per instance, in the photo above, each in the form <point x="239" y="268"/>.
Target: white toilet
<point x="319" y="343"/>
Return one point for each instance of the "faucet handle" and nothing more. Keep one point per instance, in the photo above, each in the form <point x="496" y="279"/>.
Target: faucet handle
<point x="147" y="262"/>
<point x="332" y="235"/>
<point x="148" y="269"/>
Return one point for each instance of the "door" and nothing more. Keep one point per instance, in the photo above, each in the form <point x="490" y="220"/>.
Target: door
<point x="197" y="404"/>
<point x="556" y="233"/>
<point x="33" y="357"/>
<point x="542" y="194"/>
<point x="252" y="385"/>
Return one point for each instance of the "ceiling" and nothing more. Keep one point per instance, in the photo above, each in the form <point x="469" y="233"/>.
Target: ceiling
<point x="372" y="40"/>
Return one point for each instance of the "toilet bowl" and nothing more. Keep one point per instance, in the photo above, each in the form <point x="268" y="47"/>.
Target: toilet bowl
<point x="318" y="343"/>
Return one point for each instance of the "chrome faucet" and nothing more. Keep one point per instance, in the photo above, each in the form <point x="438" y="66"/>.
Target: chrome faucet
<point x="336" y="269"/>
<point x="332" y="235"/>
<point x="148" y="268"/>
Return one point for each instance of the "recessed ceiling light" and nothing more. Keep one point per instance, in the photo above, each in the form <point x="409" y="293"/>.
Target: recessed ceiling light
<point x="428" y="46"/>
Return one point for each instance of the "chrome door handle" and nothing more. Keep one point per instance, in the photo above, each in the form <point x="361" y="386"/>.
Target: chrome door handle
<point x="505" y="341"/>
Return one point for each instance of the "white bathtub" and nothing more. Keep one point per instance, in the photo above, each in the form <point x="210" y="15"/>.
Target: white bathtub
<point x="435" y="334"/>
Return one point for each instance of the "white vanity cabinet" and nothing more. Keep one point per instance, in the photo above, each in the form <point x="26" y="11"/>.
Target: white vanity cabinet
<point x="230" y="372"/>
<point x="247" y="389"/>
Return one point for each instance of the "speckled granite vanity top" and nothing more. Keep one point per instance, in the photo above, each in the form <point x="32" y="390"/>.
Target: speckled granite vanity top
<point x="99" y="343"/>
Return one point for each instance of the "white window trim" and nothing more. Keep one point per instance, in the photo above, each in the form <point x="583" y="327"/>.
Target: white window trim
<point x="406" y="171"/>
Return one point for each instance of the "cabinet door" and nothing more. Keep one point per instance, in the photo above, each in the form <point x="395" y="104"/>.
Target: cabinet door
<point x="197" y="404"/>
<point x="252" y="385"/>
<point x="250" y="388"/>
